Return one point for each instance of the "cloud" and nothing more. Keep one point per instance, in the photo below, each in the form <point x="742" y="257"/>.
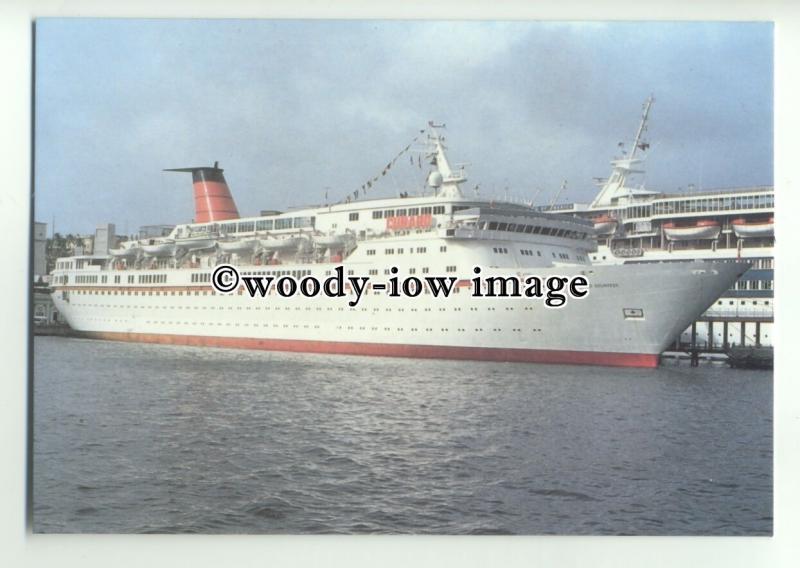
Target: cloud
<point x="292" y="107"/>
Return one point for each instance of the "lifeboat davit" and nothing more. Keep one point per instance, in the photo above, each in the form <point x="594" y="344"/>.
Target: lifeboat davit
<point x="605" y="225"/>
<point x="744" y="228"/>
<point x="703" y="229"/>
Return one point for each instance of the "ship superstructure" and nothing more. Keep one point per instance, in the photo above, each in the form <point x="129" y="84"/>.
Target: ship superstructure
<point x="159" y="289"/>
<point x="635" y="225"/>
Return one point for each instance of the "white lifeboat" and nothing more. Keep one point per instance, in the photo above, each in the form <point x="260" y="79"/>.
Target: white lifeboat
<point x="703" y="229"/>
<point x="281" y="243"/>
<point x="753" y="228"/>
<point x="333" y="240"/>
<point x="238" y="245"/>
<point x="159" y="248"/>
<point x="605" y="225"/>
<point x="131" y="249"/>
<point x="195" y="243"/>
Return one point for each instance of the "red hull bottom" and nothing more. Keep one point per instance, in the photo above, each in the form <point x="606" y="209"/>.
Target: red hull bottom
<point x="391" y="350"/>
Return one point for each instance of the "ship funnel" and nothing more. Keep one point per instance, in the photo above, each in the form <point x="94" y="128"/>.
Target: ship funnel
<point x="212" y="198"/>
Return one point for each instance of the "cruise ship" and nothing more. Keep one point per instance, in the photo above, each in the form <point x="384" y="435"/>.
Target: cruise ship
<point x="635" y="225"/>
<point x="159" y="289"/>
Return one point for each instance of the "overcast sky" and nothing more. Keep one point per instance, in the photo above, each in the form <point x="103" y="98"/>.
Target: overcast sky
<point x="289" y="108"/>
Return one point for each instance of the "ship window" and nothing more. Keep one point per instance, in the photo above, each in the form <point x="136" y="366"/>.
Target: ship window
<point x="511" y="227"/>
<point x="502" y="226"/>
<point x="264" y="225"/>
<point x="353" y="217"/>
<point x="246" y="227"/>
<point x="228" y="227"/>
<point x="413" y="211"/>
<point x="537" y="230"/>
<point x="388" y="213"/>
<point x="492" y="225"/>
<point x="426" y="210"/>
<point x="438" y="210"/>
<point x="443" y="248"/>
<point x="520" y="228"/>
<point x="283" y="224"/>
<point x="377" y="214"/>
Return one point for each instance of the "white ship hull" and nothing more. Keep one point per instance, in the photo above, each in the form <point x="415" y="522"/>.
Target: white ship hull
<point x="631" y="314"/>
<point x="598" y="329"/>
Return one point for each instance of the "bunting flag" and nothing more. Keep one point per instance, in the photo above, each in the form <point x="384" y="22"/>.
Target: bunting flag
<point x="369" y="184"/>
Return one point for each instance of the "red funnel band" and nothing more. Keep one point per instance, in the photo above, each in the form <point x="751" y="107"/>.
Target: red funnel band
<point x="212" y="198"/>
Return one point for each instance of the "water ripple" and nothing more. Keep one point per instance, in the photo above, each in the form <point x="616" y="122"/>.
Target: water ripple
<point x="160" y="439"/>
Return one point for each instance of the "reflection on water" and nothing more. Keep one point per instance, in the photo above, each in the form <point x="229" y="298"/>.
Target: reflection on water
<point x="149" y="438"/>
